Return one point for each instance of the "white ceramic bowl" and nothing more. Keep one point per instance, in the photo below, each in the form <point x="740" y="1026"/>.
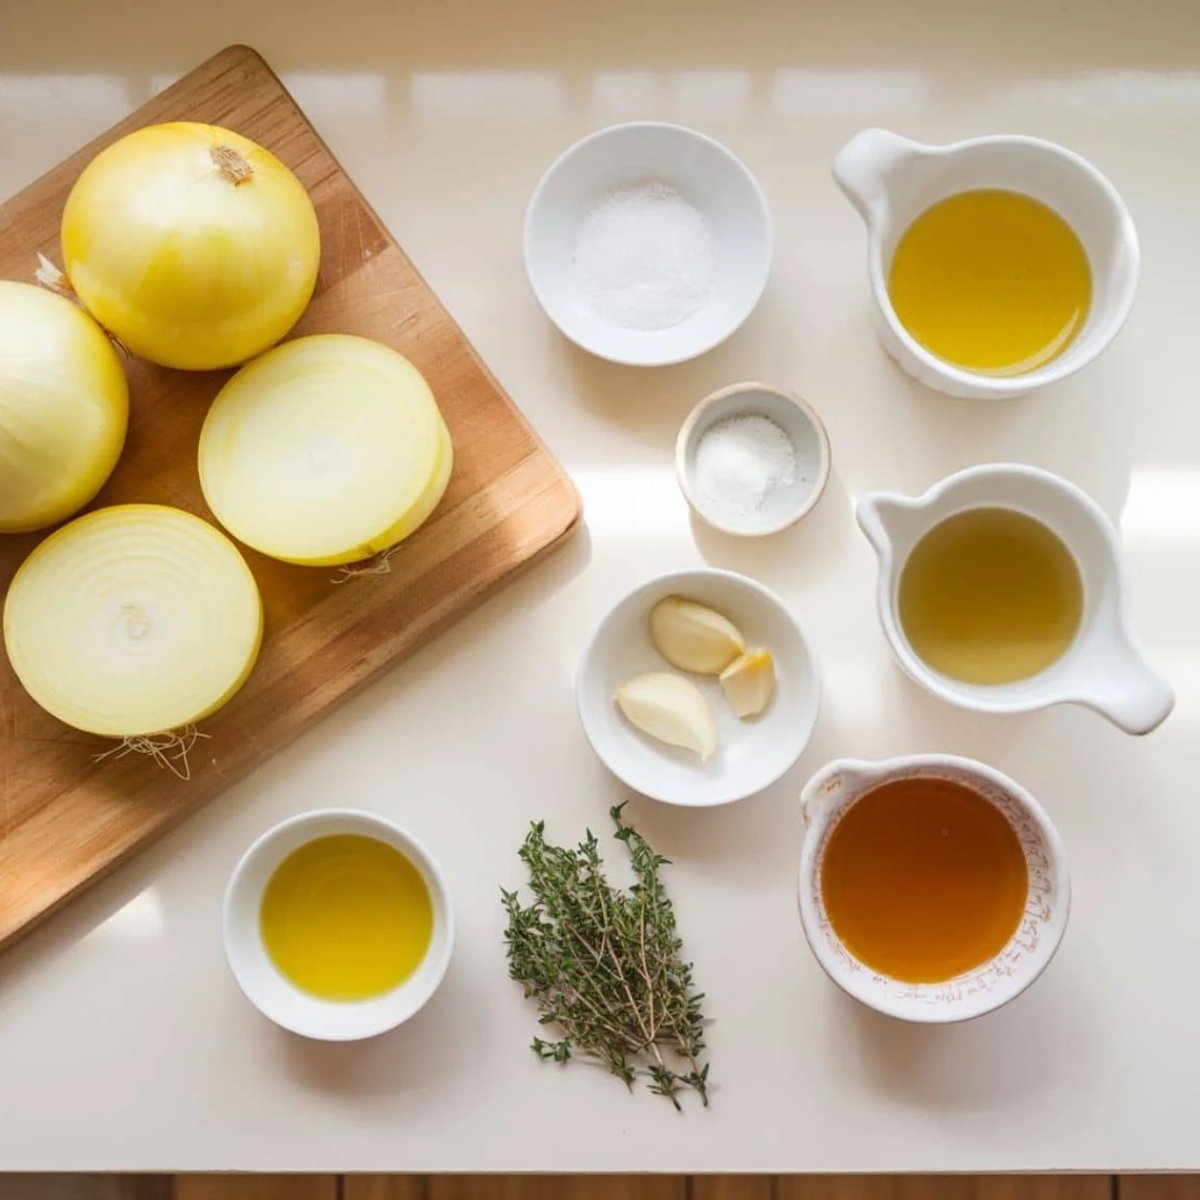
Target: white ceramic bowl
<point x="752" y="754"/>
<point x="782" y="506"/>
<point x="270" y="991"/>
<point x="708" y="176"/>
<point x="826" y="799"/>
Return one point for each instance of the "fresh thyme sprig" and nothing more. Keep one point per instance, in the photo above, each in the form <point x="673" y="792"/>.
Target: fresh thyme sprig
<point x="606" y="965"/>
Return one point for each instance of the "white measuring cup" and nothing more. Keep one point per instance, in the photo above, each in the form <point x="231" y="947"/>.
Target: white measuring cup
<point x="1103" y="669"/>
<point x="892" y="180"/>
<point x="826" y="799"/>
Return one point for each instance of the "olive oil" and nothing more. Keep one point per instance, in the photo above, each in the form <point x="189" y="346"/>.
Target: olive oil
<point x="989" y="596"/>
<point x="346" y="917"/>
<point x="992" y="281"/>
<point x="923" y="879"/>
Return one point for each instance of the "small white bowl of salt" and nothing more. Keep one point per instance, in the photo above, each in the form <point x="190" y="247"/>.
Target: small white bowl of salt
<point x="752" y="459"/>
<point x="648" y="244"/>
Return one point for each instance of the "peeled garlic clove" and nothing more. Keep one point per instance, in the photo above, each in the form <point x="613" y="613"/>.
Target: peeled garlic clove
<point x="693" y="637"/>
<point x="749" y="682"/>
<point x="671" y="709"/>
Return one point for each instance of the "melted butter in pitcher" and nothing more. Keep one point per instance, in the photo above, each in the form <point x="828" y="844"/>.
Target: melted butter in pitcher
<point x="990" y="596"/>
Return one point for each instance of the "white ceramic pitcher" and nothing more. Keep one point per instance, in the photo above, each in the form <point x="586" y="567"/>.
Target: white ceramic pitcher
<point x="1103" y="669"/>
<point x="830" y="794"/>
<point x="892" y="180"/>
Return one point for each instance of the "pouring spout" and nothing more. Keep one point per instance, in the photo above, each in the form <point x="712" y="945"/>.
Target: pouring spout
<point x="863" y="167"/>
<point x="831" y="784"/>
<point x="1132" y="695"/>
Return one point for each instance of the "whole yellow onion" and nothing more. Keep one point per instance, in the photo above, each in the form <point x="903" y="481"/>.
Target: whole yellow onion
<point x="193" y="245"/>
<point x="64" y="406"/>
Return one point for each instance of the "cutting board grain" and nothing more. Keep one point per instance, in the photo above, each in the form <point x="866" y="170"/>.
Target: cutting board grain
<point x="601" y="1187"/>
<point x="554" y="1187"/>
<point x="66" y="819"/>
<point x="1158" y="1187"/>
<point x="944" y="1187"/>
<point x="256" y="1187"/>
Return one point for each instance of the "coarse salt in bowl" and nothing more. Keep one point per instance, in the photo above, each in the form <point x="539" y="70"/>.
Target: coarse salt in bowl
<point x="648" y="243"/>
<point x="752" y="459"/>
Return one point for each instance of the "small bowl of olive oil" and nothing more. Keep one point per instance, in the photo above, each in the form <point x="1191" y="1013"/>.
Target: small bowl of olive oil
<point x="338" y="925"/>
<point x="997" y="264"/>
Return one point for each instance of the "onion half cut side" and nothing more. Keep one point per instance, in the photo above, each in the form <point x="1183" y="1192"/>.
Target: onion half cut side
<point x="325" y="451"/>
<point x="133" y="620"/>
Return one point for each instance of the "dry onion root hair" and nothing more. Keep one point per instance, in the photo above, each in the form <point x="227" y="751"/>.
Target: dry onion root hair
<point x="169" y="749"/>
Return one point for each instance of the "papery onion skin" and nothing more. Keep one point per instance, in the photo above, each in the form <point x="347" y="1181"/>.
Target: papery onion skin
<point x="325" y="451"/>
<point x="187" y="259"/>
<point x="64" y="408"/>
<point x="133" y="620"/>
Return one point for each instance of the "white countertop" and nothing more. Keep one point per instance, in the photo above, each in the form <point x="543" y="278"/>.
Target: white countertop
<point x="124" y="1042"/>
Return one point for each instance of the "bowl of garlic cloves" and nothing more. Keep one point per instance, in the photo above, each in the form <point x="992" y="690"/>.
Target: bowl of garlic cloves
<point x="698" y="688"/>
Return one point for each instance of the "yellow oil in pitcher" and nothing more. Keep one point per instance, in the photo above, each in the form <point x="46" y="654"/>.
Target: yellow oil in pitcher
<point x="992" y="281"/>
<point x="990" y="596"/>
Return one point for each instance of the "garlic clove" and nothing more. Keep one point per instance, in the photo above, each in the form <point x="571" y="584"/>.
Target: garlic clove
<point x="671" y="709"/>
<point x="749" y="682"/>
<point x="694" y="637"/>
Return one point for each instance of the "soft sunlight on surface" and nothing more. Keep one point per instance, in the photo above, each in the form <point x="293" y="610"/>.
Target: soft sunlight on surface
<point x="634" y="504"/>
<point x="487" y="93"/>
<point x="802" y="91"/>
<point x="142" y="918"/>
<point x="1118" y="91"/>
<point x="723" y="94"/>
<point x="340" y="93"/>
<point x="629" y="93"/>
<point x="27" y="97"/>
<point x="1163" y="507"/>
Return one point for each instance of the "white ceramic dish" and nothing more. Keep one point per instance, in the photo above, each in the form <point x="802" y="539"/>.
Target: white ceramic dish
<point x="1103" y="669"/>
<point x="892" y="180"/>
<point x="752" y="754"/>
<point x="708" y="176"/>
<point x="782" y="506"/>
<point x="273" y="994"/>
<point x="828" y="796"/>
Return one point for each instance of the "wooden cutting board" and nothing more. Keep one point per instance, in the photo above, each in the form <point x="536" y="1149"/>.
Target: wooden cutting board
<point x="66" y="819"/>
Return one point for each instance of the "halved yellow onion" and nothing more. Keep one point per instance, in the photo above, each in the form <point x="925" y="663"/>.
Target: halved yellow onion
<point x="197" y="247"/>
<point x="133" y="620"/>
<point x="326" y="450"/>
<point x="64" y="406"/>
